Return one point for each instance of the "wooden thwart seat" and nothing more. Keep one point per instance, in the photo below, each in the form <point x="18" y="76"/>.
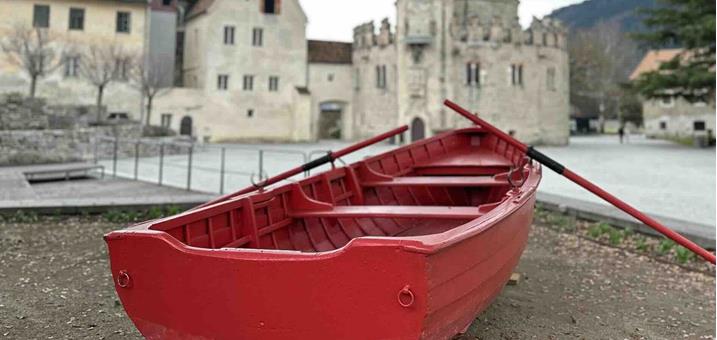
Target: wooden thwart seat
<point x="439" y="181"/>
<point x="392" y="211"/>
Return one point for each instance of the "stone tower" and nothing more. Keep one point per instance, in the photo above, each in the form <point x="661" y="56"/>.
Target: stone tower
<point x="476" y="53"/>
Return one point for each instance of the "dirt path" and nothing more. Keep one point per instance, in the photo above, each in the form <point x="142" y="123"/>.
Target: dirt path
<point x="572" y="288"/>
<point x="55" y="284"/>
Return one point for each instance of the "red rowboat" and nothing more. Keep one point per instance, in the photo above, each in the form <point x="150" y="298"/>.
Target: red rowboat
<point x="409" y="244"/>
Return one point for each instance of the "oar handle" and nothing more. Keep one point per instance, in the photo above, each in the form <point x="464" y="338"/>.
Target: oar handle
<point x="577" y="179"/>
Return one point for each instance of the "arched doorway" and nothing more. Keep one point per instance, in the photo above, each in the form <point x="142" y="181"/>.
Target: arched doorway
<point x="185" y="126"/>
<point x="330" y="120"/>
<point x="418" y="129"/>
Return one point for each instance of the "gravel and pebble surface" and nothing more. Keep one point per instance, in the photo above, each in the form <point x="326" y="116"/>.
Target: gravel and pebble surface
<point x="55" y="284"/>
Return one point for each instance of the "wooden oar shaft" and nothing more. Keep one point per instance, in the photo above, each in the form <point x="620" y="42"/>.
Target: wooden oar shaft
<point x="330" y="157"/>
<point x="577" y="179"/>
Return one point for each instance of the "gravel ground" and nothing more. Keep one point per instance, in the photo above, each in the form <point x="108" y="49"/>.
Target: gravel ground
<point x="56" y="285"/>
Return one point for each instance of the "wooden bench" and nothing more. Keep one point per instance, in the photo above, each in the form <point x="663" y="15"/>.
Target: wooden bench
<point x="392" y="211"/>
<point x="438" y="181"/>
<point x="63" y="172"/>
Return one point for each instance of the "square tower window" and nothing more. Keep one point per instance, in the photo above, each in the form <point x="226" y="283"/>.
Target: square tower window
<point x="698" y="125"/>
<point x="516" y="74"/>
<point x="473" y="74"/>
<point x="257" y="37"/>
<point x="41" y="16"/>
<point x="550" y="79"/>
<point x="77" y="19"/>
<point x="123" y="22"/>
<point x="72" y="66"/>
<point x="248" y="83"/>
<point x="273" y="83"/>
<point x="222" y="82"/>
<point x="663" y="125"/>
<point x="270" y="6"/>
<point x="229" y="35"/>
<point x="166" y="120"/>
<point x="381" y="76"/>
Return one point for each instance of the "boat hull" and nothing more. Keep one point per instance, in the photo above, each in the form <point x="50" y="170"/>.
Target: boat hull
<point x="352" y="293"/>
<point x="409" y="244"/>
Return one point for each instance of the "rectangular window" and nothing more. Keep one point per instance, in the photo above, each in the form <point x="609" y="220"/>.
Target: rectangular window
<point x="381" y="76"/>
<point x="228" y="35"/>
<point x="248" y="83"/>
<point x="166" y="120"/>
<point x="41" y="16"/>
<point x="270" y="6"/>
<point x="663" y="125"/>
<point x="166" y="2"/>
<point x="123" y="22"/>
<point x="698" y="125"/>
<point x="257" y="37"/>
<point x="77" y="19"/>
<point x="667" y="101"/>
<point x="357" y="79"/>
<point x="473" y="74"/>
<point x="550" y="80"/>
<point x="222" y="82"/>
<point x="121" y="71"/>
<point x="72" y="66"/>
<point x="250" y="113"/>
<point x="273" y="84"/>
<point x="330" y="77"/>
<point x="516" y="74"/>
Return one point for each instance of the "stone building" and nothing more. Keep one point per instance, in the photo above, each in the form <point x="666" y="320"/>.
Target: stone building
<point x="244" y="73"/>
<point x="74" y="26"/>
<point x="471" y="51"/>
<point x="245" y="70"/>
<point x="672" y="117"/>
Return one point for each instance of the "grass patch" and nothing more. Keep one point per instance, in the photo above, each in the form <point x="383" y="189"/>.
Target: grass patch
<point x="683" y="255"/>
<point x="665" y="246"/>
<point x="130" y="216"/>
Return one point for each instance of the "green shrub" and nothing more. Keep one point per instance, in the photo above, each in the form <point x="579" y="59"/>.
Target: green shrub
<point x="641" y="244"/>
<point x="665" y="246"/>
<point x="616" y="236"/>
<point x="683" y="255"/>
<point x="21" y="216"/>
<point x="594" y="231"/>
<point x="154" y="213"/>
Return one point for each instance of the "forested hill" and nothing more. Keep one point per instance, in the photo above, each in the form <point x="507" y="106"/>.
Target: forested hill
<point x="587" y="14"/>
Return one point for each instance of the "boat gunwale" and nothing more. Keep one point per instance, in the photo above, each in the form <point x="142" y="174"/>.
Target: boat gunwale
<point x="425" y="244"/>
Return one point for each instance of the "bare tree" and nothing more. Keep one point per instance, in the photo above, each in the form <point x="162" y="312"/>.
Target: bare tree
<point x="152" y="79"/>
<point x="35" y="50"/>
<point x="601" y="59"/>
<point x="101" y="64"/>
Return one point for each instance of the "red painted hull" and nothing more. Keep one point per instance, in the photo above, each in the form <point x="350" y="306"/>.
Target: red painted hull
<point x="410" y="244"/>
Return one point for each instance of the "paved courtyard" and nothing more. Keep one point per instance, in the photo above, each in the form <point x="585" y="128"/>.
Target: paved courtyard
<point x="660" y="177"/>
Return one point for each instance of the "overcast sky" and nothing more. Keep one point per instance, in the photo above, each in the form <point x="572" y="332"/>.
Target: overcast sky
<point x="335" y="19"/>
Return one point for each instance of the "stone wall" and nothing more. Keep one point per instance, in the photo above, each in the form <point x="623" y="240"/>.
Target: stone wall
<point x="19" y="113"/>
<point x="22" y="147"/>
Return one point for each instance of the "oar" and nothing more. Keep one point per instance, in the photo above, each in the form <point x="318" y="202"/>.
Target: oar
<point x="567" y="173"/>
<point x="329" y="157"/>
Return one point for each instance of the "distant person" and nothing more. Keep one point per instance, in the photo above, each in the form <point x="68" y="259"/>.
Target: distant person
<point x="621" y="133"/>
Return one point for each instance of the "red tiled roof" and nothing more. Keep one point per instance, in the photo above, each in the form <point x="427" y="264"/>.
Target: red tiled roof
<point x="652" y="61"/>
<point x="330" y="52"/>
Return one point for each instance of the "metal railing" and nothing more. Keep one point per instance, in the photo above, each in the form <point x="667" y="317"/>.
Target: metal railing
<point x="161" y="162"/>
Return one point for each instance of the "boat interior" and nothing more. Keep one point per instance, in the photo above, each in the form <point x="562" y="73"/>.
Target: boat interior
<point x="423" y="188"/>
